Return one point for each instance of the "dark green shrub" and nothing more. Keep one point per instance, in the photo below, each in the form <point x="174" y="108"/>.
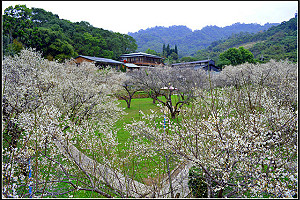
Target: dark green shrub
<point x="197" y="183"/>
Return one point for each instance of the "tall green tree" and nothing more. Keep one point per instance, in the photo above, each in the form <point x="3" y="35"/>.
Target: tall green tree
<point x="176" y="50"/>
<point x="234" y="56"/>
<point x="164" y="52"/>
<point x="174" y="56"/>
<point x="15" y="22"/>
<point x="246" y="55"/>
<point x="168" y="50"/>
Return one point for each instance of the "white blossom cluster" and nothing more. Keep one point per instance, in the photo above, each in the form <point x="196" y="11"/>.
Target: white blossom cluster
<point x="244" y="137"/>
<point x="240" y="129"/>
<point x="51" y="102"/>
<point x="279" y="77"/>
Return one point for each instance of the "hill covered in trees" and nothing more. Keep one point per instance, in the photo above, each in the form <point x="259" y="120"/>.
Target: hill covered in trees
<point x="59" y="38"/>
<point x="62" y="39"/>
<point x="188" y="41"/>
<point x="278" y="42"/>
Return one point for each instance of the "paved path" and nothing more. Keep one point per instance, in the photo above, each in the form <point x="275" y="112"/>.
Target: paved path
<point x="179" y="176"/>
<point x="104" y="173"/>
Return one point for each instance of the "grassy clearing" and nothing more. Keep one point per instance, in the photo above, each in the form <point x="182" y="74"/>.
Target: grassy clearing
<point x="143" y="104"/>
<point x="156" y="165"/>
<point x="148" y="168"/>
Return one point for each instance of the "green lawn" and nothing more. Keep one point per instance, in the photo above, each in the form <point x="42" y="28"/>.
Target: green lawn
<point x="147" y="166"/>
<point x="143" y="104"/>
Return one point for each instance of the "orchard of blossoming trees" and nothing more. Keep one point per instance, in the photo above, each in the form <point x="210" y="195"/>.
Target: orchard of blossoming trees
<point x="239" y="130"/>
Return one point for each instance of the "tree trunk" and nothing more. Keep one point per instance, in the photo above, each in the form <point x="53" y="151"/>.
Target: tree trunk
<point x="220" y="195"/>
<point x="173" y="115"/>
<point x="128" y="103"/>
<point x="209" y="189"/>
<point x="153" y="96"/>
<point x="153" y="100"/>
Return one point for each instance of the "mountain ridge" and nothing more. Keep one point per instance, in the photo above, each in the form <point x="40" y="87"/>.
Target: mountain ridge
<point x="278" y="42"/>
<point x="187" y="40"/>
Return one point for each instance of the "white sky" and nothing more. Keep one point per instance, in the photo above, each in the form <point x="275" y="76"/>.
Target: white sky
<point x="131" y="16"/>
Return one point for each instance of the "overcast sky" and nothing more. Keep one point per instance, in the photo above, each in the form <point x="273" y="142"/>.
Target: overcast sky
<point x="131" y="16"/>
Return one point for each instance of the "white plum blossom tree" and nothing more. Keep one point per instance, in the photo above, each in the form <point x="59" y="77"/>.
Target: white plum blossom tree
<point x="54" y="116"/>
<point x="169" y="82"/>
<point x="240" y="129"/>
<point x="243" y="136"/>
<point x="126" y="87"/>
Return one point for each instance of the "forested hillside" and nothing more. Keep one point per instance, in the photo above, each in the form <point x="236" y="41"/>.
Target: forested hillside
<point x="189" y="41"/>
<point x="59" y="38"/>
<point x="278" y="42"/>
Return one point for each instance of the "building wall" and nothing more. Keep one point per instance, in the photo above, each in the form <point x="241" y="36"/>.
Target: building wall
<point x="80" y="60"/>
<point x="142" y="60"/>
